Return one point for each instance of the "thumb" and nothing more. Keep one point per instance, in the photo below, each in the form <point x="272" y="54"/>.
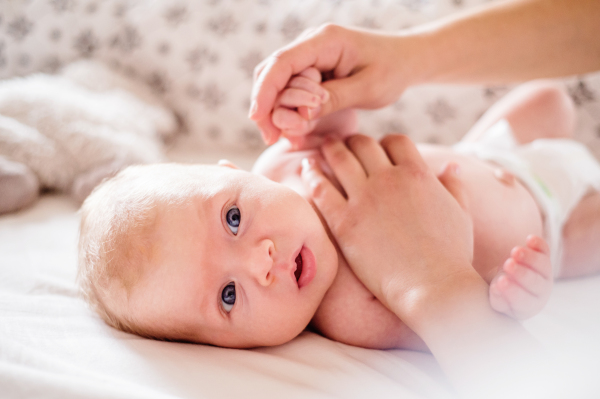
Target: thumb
<point x="449" y="177"/>
<point x="348" y="92"/>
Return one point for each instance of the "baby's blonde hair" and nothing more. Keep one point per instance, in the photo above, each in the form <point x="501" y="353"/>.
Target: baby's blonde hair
<point x="116" y="235"/>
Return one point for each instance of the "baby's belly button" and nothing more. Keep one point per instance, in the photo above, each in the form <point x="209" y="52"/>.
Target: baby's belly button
<point x="504" y="176"/>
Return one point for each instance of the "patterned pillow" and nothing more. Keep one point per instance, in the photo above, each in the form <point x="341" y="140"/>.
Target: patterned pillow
<point x="199" y="56"/>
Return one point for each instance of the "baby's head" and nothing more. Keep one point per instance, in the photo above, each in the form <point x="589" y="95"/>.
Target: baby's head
<point x="208" y="254"/>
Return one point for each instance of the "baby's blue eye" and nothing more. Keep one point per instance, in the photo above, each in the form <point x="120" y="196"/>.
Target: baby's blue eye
<point x="228" y="297"/>
<point x="233" y="219"/>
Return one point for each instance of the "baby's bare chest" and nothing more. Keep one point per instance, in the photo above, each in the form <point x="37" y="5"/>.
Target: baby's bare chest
<point x="503" y="211"/>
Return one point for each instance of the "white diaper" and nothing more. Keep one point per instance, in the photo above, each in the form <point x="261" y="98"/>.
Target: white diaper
<point x="558" y="173"/>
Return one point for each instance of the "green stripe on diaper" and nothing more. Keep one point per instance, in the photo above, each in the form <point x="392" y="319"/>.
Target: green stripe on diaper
<point x="543" y="186"/>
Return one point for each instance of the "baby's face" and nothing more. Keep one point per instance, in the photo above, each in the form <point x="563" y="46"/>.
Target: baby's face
<point x="246" y="264"/>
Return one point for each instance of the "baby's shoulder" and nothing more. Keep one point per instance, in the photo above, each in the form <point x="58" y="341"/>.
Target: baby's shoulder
<point x="351" y="314"/>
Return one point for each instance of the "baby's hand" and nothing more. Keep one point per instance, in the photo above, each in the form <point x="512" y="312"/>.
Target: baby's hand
<point x="297" y="110"/>
<point x="523" y="285"/>
<point x="299" y="103"/>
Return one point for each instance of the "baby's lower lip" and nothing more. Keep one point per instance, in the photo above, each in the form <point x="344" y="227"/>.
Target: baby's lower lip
<point x="309" y="267"/>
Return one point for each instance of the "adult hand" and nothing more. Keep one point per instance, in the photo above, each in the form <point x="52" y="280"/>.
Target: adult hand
<point x="365" y="70"/>
<point x="401" y="228"/>
<point x="407" y="237"/>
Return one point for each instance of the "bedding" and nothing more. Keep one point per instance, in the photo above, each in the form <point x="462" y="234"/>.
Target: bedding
<point x="53" y="346"/>
<point x="198" y="56"/>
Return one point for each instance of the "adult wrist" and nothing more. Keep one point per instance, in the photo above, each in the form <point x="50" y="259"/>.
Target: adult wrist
<point x="425" y="305"/>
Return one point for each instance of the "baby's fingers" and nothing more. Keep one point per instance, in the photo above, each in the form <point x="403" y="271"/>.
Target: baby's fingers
<point x="311" y="73"/>
<point x="498" y="301"/>
<point x="292" y="124"/>
<point x="538" y="244"/>
<point x="538" y="262"/>
<point x="285" y="118"/>
<point x="294" y="98"/>
<point x="308" y="85"/>
<point x="525" y="277"/>
<point x="510" y="298"/>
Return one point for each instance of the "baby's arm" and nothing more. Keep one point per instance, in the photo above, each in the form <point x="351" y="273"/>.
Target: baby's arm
<point x="522" y="287"/>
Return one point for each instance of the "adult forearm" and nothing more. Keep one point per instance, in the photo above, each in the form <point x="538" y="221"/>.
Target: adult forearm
<point x="511" y="41"/>
<point x="482" y="352"/>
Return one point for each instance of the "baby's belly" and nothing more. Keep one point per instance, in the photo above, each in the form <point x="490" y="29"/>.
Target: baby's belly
<point x="503" y="213"/>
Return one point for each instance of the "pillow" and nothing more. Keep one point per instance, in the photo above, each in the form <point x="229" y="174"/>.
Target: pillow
<point x="199" y="57"/>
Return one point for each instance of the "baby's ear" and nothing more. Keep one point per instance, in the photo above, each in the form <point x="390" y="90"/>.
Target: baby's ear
<point x="227" y="163"/>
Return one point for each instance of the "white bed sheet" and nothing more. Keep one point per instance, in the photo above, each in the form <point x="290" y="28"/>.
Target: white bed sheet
<point x="53" y="346"/>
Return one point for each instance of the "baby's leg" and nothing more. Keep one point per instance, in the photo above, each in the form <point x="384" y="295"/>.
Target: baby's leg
<point x="581" y="238"/>
<point x="537" y="109"/>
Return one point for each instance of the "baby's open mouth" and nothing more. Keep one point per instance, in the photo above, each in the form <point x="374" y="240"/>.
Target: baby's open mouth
<point x="298" y="271"/>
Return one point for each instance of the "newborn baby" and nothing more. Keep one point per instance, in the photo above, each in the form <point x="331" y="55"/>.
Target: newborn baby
<point x="217" y="255"/>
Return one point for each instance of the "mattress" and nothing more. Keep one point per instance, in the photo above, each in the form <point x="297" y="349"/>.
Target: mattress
<point x="53" y="346"/>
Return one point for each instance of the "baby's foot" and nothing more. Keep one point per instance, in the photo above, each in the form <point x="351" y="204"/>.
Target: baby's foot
<point x="522" y="287"/>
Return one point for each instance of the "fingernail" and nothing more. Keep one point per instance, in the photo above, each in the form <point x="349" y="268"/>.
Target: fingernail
<point x="253" y="108"/>
<point x="325" y="96"/>
<point x="457" y="169"/>
<point x="517" y="253"/>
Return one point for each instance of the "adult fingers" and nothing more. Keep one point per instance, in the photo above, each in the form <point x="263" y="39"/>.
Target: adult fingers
<point x="368" y="152"/>
<point x="449" y="177"/>
<point x="357" y="90"/>
<point x="269" y="132"/>
<point x="325" y="196"/>
<point x="346" y="168"/>
<point x="402" y="151"/>
<point x="324" y="49"/>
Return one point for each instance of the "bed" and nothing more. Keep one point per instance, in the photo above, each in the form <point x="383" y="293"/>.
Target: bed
<point x="53" y="346"/>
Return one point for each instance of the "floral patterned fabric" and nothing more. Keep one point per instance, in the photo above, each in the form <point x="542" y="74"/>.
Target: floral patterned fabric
<point x="199" y="56"/>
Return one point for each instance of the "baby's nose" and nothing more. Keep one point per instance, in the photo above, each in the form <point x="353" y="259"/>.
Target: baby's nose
<point x="262" y="262"/>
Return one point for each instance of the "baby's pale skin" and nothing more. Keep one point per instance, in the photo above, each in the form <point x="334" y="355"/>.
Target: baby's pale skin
<point x="503" y="214"/>
<point x="224" y="266"/>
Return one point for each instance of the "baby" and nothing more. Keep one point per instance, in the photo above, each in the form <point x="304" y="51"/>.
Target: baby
<point x="218" y="255"/>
